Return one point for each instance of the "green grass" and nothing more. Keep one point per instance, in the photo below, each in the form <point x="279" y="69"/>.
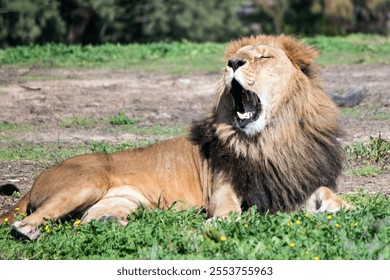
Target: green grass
<point x="377" y="149"/>
<point x="7" y="125"/>
<point x="352" y="49"/>
<point x="360" y="234"/>
<point x="368" y="159"/>
<point x="185" y="57"/>
<point x="155" y="129"/>
<point x="371" y="113"/>
<point x="176" y="57"/>
<point x="122" y="119"/>
<point x="76" y="121"/>
<point x="366" y="171"/>
<point x="55" y="153"/>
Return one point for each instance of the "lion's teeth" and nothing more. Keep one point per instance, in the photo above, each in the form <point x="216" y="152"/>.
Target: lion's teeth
<point x="244" y="116"/>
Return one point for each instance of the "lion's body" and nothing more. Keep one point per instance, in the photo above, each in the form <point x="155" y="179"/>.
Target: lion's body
<point x="271" y="141"/>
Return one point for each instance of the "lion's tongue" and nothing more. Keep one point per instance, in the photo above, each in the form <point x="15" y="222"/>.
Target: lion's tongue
<point x="248" y="108"/>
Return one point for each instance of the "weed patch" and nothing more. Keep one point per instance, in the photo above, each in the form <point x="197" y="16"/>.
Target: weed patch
<point x="122" y="119"/>
<point x="366" y="171"/>
<point x="378" y="149"/>
<point x="77" y="121"/>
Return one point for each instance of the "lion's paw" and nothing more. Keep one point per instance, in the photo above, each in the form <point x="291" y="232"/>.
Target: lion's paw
<point x="21" y="230"/>
<point x="111" y="218"/>
<point x="333" y="207"/>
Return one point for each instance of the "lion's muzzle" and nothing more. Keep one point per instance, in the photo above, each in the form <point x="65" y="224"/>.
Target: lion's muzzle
<point x="247" y="104"/>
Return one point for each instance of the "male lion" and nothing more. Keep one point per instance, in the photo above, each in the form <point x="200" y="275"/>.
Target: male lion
<point x="270" y="141"/>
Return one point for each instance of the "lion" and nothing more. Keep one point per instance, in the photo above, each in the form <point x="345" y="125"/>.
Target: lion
<point x="270" y="141"/>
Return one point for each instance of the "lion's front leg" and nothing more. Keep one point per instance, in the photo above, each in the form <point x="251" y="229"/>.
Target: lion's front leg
<point x="325" y="200"/>
<point x="223" y="201"/>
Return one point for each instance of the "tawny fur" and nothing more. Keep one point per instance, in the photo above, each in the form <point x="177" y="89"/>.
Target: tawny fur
<point x="289" y="157"/>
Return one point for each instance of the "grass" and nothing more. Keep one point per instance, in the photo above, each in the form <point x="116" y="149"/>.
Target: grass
<point x="371" y="113"/>
<point x="176" y="57"/>
<point x="360" y="234"/>
<point x="366" y="171"/>
<point x="185" y="57"/>
<point x="76" y="121"/>
<point x="368" y="159"/>
<point x="122" y="119"/>
<point x="6" y="125"/>
<point x="377" y="149"/>
<point x="352" y="49"/>
<point x="55" y="153"/>
<point x="155" y="129"/>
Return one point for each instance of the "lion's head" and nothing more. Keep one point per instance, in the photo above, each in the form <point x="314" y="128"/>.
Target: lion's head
<point x="273" y="133"/>
<point x="262" y="75"/>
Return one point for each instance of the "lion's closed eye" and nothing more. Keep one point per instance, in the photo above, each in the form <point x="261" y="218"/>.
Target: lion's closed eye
<point x="264" y="56"/>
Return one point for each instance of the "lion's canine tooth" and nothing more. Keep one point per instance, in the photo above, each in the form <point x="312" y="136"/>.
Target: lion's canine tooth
<point x="245" y="116"/>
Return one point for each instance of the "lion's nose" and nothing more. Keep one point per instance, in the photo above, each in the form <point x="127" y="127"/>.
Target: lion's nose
<point x="236" y="63"/>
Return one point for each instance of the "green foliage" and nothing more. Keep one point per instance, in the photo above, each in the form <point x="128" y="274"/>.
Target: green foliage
<point x="333" y="17"/>
<point x="76" y="121"/>
<point x="122" y="21"/>
<point x="184" y="56"/>
<point x="363" y="233"/>
<point x="155" y="129"/>
<point x="365" y="171"/>
<point x="6" y="125"/>
<point x="352" y="49"/>
<point x="103" y="21"/>
<point x="24" y="22"/>
<point x="176" y="56"/>
<point x="378" y="149"/>
<point x="198" y="21"/>
<point x="371" y="113"/>
<point x="122" y="119"/>
<point x="55" y="153"/>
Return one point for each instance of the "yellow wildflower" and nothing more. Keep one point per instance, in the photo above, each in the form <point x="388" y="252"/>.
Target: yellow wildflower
<point x="22" y="214"/>
<point x="77" y="222"/>
<point x="292" y="244"/>
<point x="289" y="223"/>
<point x="47" y="228"/>
<point x="17" y="209"/>
<point x="316" y="258"/>
<point x="223" y="238"/>
<point x="298" y="222"/>
<point x="245" y="225"/>
<point x="329" y="217"/>
<point x="5" y="219"/>
<point x="337" y="225"/>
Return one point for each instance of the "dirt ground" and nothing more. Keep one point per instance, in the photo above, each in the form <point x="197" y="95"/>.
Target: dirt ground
<point x="40" y="98"/>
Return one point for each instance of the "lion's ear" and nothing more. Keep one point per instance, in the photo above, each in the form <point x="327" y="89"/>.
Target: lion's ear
<point x="299" y="54"/>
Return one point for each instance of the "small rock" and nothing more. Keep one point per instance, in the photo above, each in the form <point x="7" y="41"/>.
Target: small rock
<point x="350" y="98"/>
<point x="184" y="82"/>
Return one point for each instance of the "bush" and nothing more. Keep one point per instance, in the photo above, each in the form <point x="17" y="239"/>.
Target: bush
<point x="25" y="22"/>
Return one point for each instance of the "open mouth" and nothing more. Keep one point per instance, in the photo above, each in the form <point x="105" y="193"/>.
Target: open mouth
<point x="247" y="104"/>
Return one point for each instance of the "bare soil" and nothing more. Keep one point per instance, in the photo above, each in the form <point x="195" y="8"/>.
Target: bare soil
<point x="41" y="98"/>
